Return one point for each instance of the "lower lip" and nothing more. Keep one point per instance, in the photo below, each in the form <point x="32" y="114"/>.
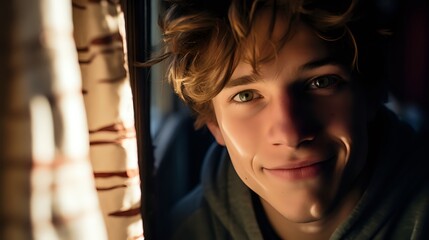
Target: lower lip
<point x="301" y="173"/>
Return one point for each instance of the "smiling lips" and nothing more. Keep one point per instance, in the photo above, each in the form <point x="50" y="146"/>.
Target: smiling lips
<point x="304" y="171"/>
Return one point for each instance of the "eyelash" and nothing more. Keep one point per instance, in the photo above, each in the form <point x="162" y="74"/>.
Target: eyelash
<point x="254" y="95"/>
<point x="334" y="81"/>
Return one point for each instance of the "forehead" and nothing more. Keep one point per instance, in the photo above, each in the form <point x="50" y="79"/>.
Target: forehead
<point x="290" y="44"/>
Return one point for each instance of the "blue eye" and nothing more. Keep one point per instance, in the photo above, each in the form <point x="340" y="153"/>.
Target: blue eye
<point x="244" y="96"/>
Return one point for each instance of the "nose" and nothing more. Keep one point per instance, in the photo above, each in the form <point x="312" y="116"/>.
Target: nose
<point x="290" y="122"/>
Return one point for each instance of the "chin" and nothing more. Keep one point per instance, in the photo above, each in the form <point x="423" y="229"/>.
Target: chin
<point x="301" y="210"/>
<point x="307" y="214"/>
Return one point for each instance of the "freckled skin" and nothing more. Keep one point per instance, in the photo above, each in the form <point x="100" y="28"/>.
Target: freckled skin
<point x="281" y="126"/>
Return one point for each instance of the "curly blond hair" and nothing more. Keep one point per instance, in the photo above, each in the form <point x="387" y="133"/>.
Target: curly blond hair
<point x="203" y="41"/>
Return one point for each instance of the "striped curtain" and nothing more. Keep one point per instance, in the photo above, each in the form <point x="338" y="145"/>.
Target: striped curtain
<point x="100" y="40"/>
<point x="47" y="187"/>
<point x="68" y="157"/>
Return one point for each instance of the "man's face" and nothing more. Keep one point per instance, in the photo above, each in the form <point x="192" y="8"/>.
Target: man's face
<point x="296" y="131"/>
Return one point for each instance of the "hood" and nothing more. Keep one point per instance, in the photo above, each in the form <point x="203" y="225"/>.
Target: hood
<point x="399" y="174"/>
<point x="398" y="171"/>
<point x="227" y="196"/>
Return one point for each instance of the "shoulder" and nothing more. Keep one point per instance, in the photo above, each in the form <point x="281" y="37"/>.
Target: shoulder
<point x="193" y="216"/>
<point x="188" y="206"/>
<point x="190" y="216"/>
<point x="413" y="220"/>
<point x="193" y="219"/>
<point x="395" y="204"/>
<point x="404" y="196"/>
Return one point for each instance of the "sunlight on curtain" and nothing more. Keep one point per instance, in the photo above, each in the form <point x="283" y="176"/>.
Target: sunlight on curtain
<point x="100" y="40"/>
<point x="47" y="189"/>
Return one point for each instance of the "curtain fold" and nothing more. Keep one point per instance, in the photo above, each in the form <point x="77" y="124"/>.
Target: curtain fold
<point x="68" y="151"/>
<point x="47" y="189"/>
<point x="101" y="46"/>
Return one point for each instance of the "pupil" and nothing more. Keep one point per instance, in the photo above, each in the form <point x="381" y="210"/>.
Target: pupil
<point x="246" y="96"/>
<point x="322" y="82"/>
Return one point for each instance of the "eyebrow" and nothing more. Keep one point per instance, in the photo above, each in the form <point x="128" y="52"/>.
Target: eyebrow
<point x="243" y="80"/>
<point x="320" y="62"/>
<point x="252" y="78"/>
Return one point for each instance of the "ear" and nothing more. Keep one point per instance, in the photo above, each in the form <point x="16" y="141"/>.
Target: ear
<point x="215" y="130"/>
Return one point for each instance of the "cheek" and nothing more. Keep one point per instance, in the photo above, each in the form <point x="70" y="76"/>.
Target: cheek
<point x="243" y="140"/>
<point x="241" y="136"/>
<point x="346" y="121"/>
<point x="341" y="115"/>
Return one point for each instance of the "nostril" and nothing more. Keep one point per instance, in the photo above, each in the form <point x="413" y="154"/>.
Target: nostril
<point x="306" y="141"/>
<point x="302" y="142"/>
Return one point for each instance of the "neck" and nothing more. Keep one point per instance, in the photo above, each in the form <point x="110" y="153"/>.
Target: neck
<point x="318" y="229"/>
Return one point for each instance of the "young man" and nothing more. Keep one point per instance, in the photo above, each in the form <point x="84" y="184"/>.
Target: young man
<point x="294" y="92"/>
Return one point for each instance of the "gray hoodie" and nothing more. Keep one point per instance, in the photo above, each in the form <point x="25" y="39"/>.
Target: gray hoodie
<point x="395" y="204"/>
